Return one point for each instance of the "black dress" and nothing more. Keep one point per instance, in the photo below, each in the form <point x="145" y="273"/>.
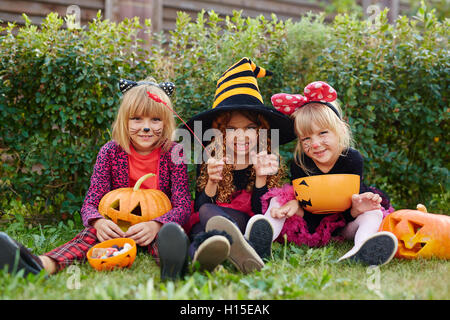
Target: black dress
<point x="349" y="162"/>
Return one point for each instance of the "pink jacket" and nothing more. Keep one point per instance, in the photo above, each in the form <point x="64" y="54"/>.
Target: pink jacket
<point x="111" y="172"/>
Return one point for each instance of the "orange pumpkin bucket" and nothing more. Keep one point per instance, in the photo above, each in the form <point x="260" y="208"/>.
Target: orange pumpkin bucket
<point x="122" y="260"/>
<point x="129" y="206"/>
<point x="420" y="234"/>
<point x="327" y="193"/>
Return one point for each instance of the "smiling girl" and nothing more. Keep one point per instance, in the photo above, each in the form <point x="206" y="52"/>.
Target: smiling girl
<point x="227" y="222"/>
<point x="324" y="147"/>
<point x="141" y="143"/>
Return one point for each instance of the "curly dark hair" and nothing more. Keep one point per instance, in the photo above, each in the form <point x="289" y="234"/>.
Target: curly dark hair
<point x="226" y="187"/>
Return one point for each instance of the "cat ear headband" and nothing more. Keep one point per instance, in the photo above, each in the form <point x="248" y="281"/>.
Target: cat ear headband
<point x="315" y="92"/>
<point x="125" y="85"/>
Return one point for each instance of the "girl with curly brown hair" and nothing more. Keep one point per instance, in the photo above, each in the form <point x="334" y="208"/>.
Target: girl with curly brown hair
<point x="241" y="167"/>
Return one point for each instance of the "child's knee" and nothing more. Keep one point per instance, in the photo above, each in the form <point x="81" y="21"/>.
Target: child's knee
<point x="377" y="213"/>
<point x="206" y="207"/>
<point x="208" y="210"/>
<point x="274" y="203"/>
<point x="372" y="214"/>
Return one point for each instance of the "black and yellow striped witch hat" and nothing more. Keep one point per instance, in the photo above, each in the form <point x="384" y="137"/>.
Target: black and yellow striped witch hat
<point x="237" y="89"/>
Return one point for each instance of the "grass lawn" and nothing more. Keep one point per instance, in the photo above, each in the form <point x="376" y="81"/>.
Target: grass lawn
<point x="294" y="273"/>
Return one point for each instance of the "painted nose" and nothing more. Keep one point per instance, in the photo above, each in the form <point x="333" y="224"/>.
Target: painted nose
<point x="146" y="129"/>
<point x="315" y="145"/>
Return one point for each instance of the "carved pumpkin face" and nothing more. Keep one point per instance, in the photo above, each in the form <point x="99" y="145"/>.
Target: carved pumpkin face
<point x="326" y="193"/>
<point x="129" y="206"/>
<point x="419" y="234"/>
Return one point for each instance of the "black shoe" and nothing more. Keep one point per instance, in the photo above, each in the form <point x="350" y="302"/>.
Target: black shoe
<point x="210" y="249"/>
<point x="173" y="244"/>
<point x="259" y="233"/>
<point x="377" y="250"/>
<point x="17" y="257"/>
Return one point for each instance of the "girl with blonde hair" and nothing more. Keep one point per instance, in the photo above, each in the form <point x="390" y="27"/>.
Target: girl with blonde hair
<point x="141" y="143"/>
<point x="324" y="148"/>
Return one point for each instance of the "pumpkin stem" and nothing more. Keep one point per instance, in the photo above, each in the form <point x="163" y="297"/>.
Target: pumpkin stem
<point x="421" y="207"/>
<point x="141" y="179"/>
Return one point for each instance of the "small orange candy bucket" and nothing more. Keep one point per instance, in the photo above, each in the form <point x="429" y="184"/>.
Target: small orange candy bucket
<point x="122" y="260"/>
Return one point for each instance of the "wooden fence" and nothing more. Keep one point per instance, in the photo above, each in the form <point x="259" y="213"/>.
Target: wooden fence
<point x="11" y="10"/>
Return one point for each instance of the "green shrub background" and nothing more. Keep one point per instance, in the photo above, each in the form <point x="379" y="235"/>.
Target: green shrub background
<point x="59" y="93"/>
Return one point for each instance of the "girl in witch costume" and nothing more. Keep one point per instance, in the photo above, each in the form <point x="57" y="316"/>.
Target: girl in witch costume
<point x="141" y="144"/>
<point x="227" y="221"/>
<point x="323" y="147"/>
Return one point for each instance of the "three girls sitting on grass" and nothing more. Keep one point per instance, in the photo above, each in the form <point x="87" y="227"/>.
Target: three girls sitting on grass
<point x="240" y="205"/>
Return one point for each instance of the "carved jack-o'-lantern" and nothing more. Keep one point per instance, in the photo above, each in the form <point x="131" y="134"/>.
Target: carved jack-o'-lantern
<point x="419" y="234"/>
<point x="129" y="206"/>
<point x="326" y="193"/>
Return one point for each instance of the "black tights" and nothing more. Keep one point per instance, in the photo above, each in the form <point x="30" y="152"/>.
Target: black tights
<point x="209" y="210"/>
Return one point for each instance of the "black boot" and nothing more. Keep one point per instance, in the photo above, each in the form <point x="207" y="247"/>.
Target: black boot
<point x="259" y="233"/>
<point x="210" y="249"/>
<point x="17" y="257"/>
<point x="173" y="244"/>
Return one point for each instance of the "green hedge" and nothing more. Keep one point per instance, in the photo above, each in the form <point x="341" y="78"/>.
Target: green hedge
<point x="59" y="94"/>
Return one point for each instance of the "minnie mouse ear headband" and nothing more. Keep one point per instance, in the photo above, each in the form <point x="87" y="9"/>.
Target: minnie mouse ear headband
<point x="315" y="92"/>
<point x="125" y="85"/>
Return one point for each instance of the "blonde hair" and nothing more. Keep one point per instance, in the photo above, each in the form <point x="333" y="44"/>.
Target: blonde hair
<point x="136" y="102"/>
<point x="226" y="186"/>
<point x="324" y="117"/>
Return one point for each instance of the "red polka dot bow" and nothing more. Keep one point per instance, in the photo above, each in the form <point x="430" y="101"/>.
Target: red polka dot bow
<point x="317" y="91"/>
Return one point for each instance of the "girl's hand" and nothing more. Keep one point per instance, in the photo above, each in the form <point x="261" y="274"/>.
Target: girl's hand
<point x="107" y="229"/>
<point x="215" y="168"/>
<point x="264" y="164"/>
<point x="365" y="202"/>
<point x="287" y="210"/>
<point x="143" y="233"/>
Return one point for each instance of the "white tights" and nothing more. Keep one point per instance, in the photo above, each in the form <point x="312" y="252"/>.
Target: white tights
<point x="363" y="227"/>
<point x="277" y="224"/>
<point x="360" y="229"/>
